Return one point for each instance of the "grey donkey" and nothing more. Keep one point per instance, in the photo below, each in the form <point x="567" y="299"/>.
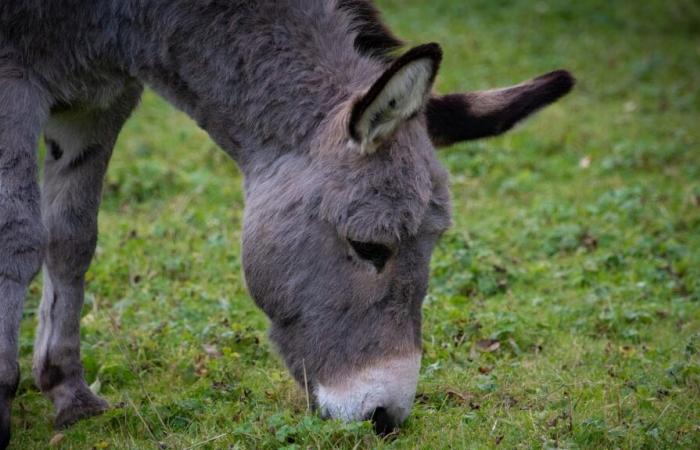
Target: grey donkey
<point x="334" y="130"/>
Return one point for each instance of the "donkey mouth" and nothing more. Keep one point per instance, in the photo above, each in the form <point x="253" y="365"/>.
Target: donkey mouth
<point x="383" y="422"/>
<point x="382" y="393"/>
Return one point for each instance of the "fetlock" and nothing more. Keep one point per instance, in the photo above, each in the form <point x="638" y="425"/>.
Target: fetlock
<point x="72" y="398"/>
<point x="48" y="376"/>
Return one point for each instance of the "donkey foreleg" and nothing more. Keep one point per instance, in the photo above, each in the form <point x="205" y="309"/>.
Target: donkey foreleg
<point x="22" y="112"/>
<point x="79" y="146"/>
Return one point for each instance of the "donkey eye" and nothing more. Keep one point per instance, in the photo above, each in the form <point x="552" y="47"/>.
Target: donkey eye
<point x="377" y="254"/>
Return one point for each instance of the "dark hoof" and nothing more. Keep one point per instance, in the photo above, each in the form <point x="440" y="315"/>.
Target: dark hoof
<point x="83" y="405"/>
<point x="4" y="429"/>
<point x="4" y="437"/>
<point x="5" y="395"/>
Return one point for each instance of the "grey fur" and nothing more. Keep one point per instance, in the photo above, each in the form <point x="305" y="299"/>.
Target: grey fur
<point x="82" y="138"/>
<point x="272" y="83"/>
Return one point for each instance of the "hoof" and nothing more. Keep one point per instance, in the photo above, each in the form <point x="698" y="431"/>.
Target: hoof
<point x="83" y="404"/>
<point x="4" y="437"/>
<point x="5" y="402"/>
<point x="4" y="429"/>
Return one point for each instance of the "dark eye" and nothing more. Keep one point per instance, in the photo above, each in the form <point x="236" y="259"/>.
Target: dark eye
<point x="377" y="254"/>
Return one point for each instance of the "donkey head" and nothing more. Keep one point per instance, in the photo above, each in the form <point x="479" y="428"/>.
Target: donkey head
<point x="337" y="241"/>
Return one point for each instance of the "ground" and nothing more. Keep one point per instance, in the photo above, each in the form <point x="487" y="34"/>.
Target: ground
<point x="564" y="307"/>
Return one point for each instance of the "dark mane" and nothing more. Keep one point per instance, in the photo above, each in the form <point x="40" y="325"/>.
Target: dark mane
<point x="373" y="37"/>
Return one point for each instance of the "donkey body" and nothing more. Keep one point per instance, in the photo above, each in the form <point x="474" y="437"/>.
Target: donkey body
<point x="334" y="134"/>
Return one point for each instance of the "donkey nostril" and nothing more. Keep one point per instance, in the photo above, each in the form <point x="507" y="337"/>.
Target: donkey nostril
<point x="383" y="423"/>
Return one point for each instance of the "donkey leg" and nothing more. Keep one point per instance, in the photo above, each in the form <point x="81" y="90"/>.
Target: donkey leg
<point x="79" y="146"/>
<point x="22" y="236"/>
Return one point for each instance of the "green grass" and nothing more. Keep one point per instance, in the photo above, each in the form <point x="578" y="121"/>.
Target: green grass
<point x="564" y="308"/>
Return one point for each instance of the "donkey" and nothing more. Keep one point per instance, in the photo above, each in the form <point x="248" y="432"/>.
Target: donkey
<point x="334" y="131"/>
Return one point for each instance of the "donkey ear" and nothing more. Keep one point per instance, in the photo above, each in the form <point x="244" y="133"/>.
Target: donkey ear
<point x="399" y="93"/>
<point x="473" y="115"/>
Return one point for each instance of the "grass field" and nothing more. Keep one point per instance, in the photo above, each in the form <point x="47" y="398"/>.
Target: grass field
<point x="564" y="307"/>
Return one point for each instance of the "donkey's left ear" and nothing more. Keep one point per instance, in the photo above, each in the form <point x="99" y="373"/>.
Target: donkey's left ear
<point x="474" y="115"/>
<point x="399" y="93"/>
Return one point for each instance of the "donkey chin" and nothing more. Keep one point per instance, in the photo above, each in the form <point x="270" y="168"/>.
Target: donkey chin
<point x="382" y="393"/>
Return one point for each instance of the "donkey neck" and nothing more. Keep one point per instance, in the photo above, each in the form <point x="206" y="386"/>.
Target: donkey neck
<point x="259" y="77"/>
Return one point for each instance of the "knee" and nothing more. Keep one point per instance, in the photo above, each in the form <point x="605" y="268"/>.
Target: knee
<point x="69" y="250"/>
<point x="22" y="248"/>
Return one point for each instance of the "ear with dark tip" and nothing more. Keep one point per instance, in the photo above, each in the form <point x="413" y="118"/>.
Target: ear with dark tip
<point x="461" y="117"/>
<point x="399" y="93"/>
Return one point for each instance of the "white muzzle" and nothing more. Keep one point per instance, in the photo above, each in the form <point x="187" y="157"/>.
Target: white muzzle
<point x="388" y="385"/>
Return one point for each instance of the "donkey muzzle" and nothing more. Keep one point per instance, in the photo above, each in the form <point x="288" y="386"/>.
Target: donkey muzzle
<point x="382" y="392"/>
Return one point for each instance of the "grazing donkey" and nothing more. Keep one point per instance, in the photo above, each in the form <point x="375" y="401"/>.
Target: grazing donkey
<point x="334" y="132"/>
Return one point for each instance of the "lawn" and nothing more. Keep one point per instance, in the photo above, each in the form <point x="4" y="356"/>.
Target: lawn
<point x="564" y="307"/>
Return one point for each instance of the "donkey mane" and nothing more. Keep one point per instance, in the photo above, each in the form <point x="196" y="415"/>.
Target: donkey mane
<point x="373" y="39"/>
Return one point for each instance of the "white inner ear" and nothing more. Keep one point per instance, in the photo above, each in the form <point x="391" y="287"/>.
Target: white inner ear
<point x="403" y="96"/>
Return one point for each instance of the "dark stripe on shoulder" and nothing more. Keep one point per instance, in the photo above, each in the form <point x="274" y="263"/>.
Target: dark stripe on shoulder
<point x="54" y="149"/>
<point x="373" y="37"/>
<point x="89" y="153"/>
